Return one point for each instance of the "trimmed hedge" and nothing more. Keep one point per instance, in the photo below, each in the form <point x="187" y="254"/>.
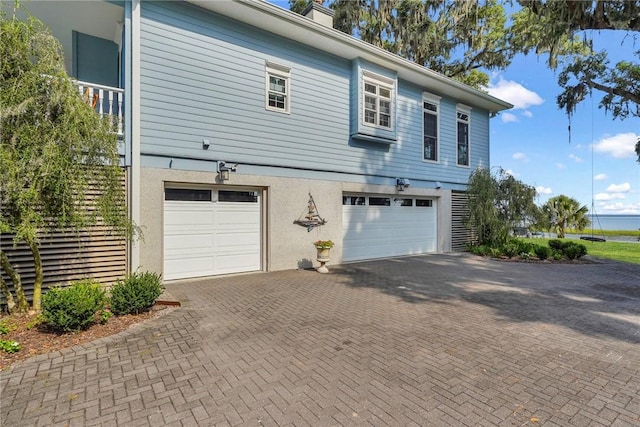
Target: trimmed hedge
<point x="135" y="294"/>
<point x="73" y="308"/>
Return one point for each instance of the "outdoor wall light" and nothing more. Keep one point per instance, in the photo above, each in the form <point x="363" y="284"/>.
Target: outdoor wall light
<point x="224" y="170"/>
<point x="438" y="185"/>
<point x="402" y="183"/>
<point x="205" y="144"/>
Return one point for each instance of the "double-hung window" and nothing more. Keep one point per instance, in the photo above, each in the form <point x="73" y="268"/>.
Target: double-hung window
<point x="430" y="110"/>
<point x="463" y="114"/>
<point x="378" y="101"/>
<point x="278" y="87"/>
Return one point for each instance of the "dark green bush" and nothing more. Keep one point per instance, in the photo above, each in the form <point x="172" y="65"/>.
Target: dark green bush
<point x="136" y="293"/>
<point x="543" y="252"/>
<point x="73" y="308"/>
<point x="575" y="250"/>
<point x="556" y="244"/>
<point x="510" y="249"/>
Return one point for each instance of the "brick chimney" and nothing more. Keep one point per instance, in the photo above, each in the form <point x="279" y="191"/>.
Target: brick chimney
<point x="317" y="12"/>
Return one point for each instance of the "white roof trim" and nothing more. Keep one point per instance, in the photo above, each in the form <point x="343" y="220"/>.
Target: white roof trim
<point x="276" y="20"/>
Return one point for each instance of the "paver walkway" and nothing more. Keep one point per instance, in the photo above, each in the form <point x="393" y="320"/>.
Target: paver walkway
<point x="433" y="340"/>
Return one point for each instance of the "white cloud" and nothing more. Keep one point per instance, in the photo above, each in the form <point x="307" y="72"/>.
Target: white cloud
<point x="619" y="146"/>
<point x="527" y="113"/>
<point x="608" y="196"/>
<point x="600" y="177"/>
<point x="508" y="118"/>
<point x="519" y="156"/>
<point x="516" y="94"/>
<point x="544" y="190"/>
<point x="621" y="208"/>
<point x="561" y="165"/>
<point x="621" y="188"/>
<point x="511" y="172"/>
<point x="575" y="158"/>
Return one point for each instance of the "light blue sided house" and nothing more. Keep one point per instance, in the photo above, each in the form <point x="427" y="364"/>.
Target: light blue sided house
<point x="232" y="113"/>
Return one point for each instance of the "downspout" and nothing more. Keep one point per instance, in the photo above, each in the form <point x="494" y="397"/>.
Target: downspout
<point x="132" y="77"/>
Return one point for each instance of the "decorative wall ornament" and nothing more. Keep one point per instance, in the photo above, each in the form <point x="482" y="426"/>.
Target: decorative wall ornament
<point x="311" y="218"/>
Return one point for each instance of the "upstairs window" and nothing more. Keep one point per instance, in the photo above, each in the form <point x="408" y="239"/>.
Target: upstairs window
<point x="430" y="110"/>
<point x="463" y="121"/>
<point x="377" y="103"/>
<point x="278" y="91"/>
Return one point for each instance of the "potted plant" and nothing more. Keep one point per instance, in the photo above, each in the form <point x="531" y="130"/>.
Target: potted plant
<point x="323" y="247"/>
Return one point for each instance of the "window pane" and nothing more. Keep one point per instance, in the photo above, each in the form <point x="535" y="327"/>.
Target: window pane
<point x="385" y="93"/>
<point x="424" y="202"/>
<point x="277" y="84"/>
<point x="379" y="201"/>
<point x="431" y="107"/>
<point x="370" y="103"/>
<point x="353" y="200"/>
<point x="430" y="125"/>
<point x="187" y="195"/>
<point x="370" y="88"/>
<point x="370" y="116"/>
<point x="402" y="202"/>
<point x="277" y="101"/>
<point x="238" y="196"/>
<point x="463" y="116"/>
<point x="385" y="120"/>
<point x="385" y="107"/>
<point x="429" y="148"/>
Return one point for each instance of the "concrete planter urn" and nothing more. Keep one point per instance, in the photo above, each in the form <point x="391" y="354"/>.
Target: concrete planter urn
<point x="323" y="256"/>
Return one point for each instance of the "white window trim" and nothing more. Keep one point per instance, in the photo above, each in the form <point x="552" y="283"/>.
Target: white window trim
<point x="379" y="81"/>
<point x="465" y="109"/>
<point x="283" y="72"/>
<point x="432" y="99"/>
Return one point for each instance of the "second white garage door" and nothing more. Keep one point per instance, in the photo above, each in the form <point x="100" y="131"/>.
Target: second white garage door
<point x="376" y="226"/>
<point x="209" y="232"/>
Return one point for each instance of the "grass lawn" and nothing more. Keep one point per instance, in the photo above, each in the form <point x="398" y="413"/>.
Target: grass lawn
<point x="619" y="251"/>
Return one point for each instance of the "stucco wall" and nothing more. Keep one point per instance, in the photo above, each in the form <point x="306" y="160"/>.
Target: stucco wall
<point x="287" y="245"/>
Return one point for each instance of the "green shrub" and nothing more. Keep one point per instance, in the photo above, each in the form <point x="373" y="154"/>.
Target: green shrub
<point x="510" y="249"/>
<point x="73" y="308"/>
<point x="9" y="346"/>
<point x="556" y="244"/>
<point x="543" y="252"/>
<point x="575" y="250"/>
<point x="557" y="255"/>
<point x="495" y="252"/>
<point x="136" y="293"/>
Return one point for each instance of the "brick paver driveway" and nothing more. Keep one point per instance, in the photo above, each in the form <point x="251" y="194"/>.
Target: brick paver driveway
<point x="432" y="340"/>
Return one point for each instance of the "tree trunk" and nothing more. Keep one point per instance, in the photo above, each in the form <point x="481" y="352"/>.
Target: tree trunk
<point x="11" y="304"/>
<point x="22" y="305"/>
<point x="37" y="267"/>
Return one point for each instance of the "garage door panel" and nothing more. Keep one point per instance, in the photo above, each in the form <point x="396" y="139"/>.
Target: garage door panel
<point x="382" y="231"/>
<point x="209" y="238"/>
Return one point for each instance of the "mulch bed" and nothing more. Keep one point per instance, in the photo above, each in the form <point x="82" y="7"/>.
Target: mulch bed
<point x="40" y="339"/>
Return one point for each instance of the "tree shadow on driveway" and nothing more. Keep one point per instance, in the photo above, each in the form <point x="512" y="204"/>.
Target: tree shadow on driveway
<point x="599" y="299"/>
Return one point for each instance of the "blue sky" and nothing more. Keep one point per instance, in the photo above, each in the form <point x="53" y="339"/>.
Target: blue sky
<point x="531" y="141"/>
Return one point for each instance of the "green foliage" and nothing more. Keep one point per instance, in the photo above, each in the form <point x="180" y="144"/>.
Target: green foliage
<point x="9" y="346"/>
<point x="575" y="250"/>
<point x="7" y="326"/>
<point x="55" y="142"/>
<point x="510" y="249"/>
<point x="461" y="40"/>
<point x="136" y="293"/>
<point x="496" y="204"/>
<point x="562" y="212"/>
<point x="556" y="244"/>
<point x="73" y="308"/>
<point x="105" y="316"/>
<point x="560" y="30"/>
<point x="542" y="252"/>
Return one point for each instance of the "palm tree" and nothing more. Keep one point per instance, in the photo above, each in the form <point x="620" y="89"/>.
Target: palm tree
<point x="563" y="212"/>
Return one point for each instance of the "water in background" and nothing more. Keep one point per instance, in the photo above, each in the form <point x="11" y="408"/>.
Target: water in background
<point x="615" y="222"/>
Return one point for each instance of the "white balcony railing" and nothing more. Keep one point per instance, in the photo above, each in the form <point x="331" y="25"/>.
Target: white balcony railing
<point x="107" y="101"/>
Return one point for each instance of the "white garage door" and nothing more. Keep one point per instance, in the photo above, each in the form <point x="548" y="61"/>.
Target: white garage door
<point x="382" y="226"/>
<point x="209" y="232"/>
